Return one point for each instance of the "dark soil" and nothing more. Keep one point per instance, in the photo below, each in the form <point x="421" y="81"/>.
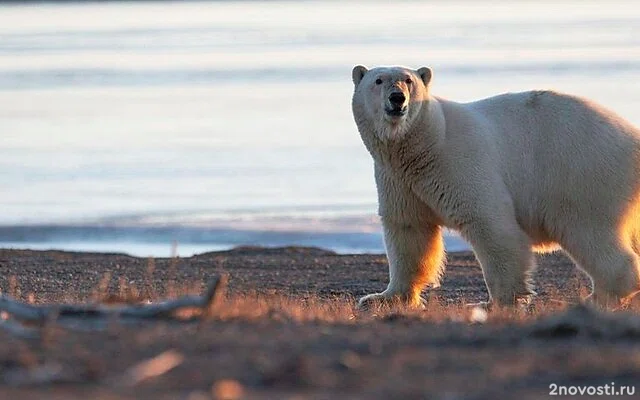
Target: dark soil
<point x="392" y="356"/>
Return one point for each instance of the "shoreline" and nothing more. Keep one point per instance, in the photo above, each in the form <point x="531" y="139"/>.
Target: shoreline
<point x="186" y="240"/>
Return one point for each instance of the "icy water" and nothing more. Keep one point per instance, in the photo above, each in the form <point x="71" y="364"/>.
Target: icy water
<point x="135" y="127"/>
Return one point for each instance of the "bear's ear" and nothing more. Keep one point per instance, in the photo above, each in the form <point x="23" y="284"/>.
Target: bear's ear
<point x="425" y="74"/>
<point x="358" y="73"/>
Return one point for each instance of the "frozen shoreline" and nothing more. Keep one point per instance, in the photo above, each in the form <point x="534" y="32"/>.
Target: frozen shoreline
<point x="187" y="241"/>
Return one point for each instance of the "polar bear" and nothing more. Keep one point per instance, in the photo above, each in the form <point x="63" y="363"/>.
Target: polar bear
<point x="514" y="174"/>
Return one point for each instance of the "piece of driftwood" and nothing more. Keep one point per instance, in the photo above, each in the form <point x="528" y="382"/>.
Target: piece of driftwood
<point x="97" y="316"/>
<point x="15" y="328"/>
<point x="44" y="374"/>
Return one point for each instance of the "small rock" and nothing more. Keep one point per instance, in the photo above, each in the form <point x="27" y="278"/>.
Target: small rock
<point x="227" y="389"/>
<point x="350" y="360"/>
<point x="478" y="315"/>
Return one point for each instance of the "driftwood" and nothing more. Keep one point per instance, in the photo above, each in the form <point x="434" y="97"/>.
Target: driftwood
<point x="97" y="316"/>
<point x="17" y="329"/>
<point x="47" y="373"/>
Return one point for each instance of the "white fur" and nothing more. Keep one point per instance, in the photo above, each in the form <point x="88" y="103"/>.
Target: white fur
<point x="512" y="173"/>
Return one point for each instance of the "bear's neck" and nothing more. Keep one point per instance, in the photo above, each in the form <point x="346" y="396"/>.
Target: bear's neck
<point x="424" y="134"/>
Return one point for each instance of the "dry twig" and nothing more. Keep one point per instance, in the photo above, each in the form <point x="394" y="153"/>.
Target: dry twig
<point x="82" y="316"/>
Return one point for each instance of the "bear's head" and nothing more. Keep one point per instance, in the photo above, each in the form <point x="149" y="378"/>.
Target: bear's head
<point x="388" y="99"/>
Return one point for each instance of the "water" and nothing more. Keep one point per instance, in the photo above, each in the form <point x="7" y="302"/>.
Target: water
<point x="133" y="127"/>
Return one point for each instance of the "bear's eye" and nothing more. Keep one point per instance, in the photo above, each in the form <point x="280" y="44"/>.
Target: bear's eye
<point x="408" y="81"/>
<point x="378" y="81"/>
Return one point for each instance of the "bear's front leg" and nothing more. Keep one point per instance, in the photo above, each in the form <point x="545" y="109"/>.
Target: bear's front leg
<point x="416" y="258"/>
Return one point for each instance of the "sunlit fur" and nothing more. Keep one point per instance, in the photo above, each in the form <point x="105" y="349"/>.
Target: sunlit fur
<point x="514" y="173"/>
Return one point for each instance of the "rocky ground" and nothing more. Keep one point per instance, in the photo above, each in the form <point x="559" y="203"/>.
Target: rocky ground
<point x="287" y="329"/>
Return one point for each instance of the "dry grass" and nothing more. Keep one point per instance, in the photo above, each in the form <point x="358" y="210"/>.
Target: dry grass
<point x="255" y="306"/>
<point x="309" y="308"/>
<point x="340" y="309"/>
<point x="313" y="308"/>
<point x="343" y="310"/>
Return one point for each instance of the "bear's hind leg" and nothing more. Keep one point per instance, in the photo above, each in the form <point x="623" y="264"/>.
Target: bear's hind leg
<point x="613" y="266"/>
<point x="416" y="258"/>
<point x="505" y="255"/>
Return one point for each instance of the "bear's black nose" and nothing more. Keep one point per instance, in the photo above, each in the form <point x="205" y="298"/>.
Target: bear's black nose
<point x="397" y="99"/>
